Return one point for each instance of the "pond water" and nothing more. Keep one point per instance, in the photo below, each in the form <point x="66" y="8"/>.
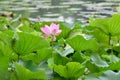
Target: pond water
<point x="60" y="10"/>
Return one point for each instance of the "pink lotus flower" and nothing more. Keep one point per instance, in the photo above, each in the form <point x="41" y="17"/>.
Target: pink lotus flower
<point x="51" y="31"/>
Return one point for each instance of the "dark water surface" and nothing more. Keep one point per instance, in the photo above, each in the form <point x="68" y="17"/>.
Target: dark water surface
<point x="60" y="10"/>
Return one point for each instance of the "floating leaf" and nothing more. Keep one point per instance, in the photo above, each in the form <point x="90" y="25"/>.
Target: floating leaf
<point x="113" y="66"/>
<point x="91" y="77"/>
<point x="98" y="61"/>
<point x="42" y="54"/>
<point x="58" y="59"/>
<point x="25" y="74"/>
<point x="6" y="37"/>
<point x="67" y="52"/>
<point x="3" y="67"/>
<point x="110" y="75"/>
<point x="65" y="30"/>
<point x="72" y="70"/>
<point x="95" y="68"/>
<point x="39" y="56"/>
<point x="109" y="26"/>
<point x="92" y="67"/>
<point x="79" y="43"/>
<point x="79" y="57"/>
<point x="27" y="43"/>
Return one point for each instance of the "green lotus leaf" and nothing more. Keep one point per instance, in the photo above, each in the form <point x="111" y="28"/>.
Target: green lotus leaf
<point x="79" y="43"/>
<point x="109" y="26"/>
<point x="72" y="70"/>
<point x="23" y="73"/>
<point x="27" y="43"/>
<point x="110" y="75"/>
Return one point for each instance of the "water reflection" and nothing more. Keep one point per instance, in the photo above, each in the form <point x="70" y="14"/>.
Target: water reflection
<point x="60" y="10"/>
